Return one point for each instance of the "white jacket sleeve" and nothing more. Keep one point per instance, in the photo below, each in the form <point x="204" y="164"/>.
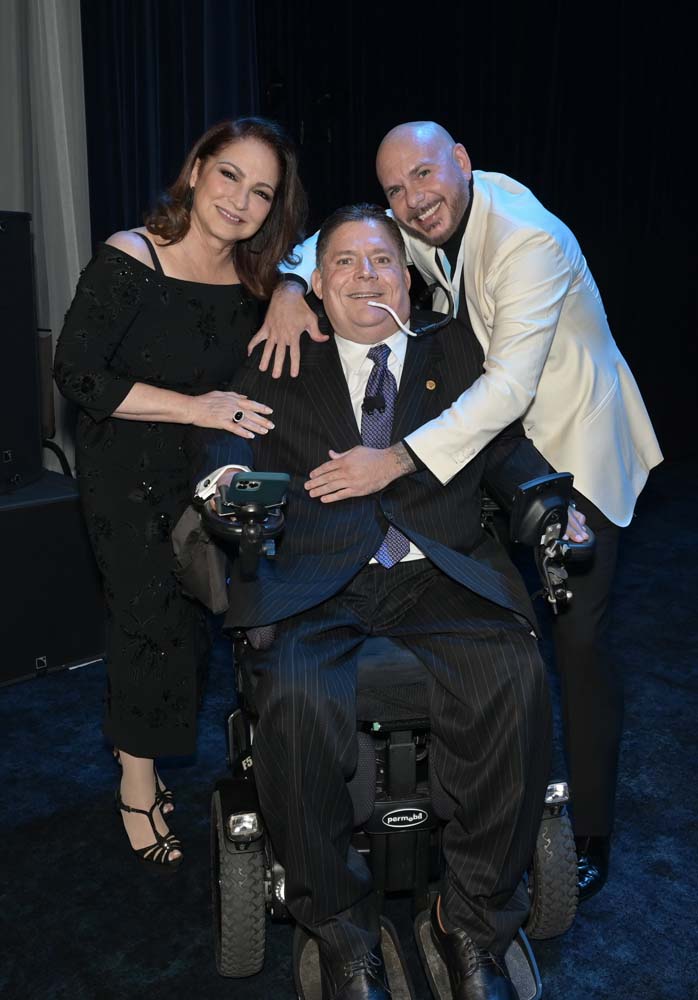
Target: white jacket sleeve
<point x="526" y="288"/>
<point x="306" y="265"/>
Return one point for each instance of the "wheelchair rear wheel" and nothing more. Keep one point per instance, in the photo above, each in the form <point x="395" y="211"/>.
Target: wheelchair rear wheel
<point x="552" y="880"/>
<point x="239" y="910"/>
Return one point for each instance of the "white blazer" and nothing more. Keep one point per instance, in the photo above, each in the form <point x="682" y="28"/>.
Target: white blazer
<point x="550" y="358"/>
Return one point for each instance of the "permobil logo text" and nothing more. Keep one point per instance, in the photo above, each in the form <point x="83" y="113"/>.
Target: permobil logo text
<point x="405" y="818"/>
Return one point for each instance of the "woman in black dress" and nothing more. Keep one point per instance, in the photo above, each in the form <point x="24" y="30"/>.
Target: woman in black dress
<point x="159" y="324"/>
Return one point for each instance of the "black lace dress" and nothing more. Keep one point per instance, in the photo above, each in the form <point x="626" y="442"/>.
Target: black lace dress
<point x="127" y="324"/>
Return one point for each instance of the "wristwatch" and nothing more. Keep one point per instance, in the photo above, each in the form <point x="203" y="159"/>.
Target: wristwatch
<point x="207" y="486"/>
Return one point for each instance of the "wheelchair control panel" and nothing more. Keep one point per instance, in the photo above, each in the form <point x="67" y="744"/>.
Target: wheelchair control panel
<point x="248" y="513"/>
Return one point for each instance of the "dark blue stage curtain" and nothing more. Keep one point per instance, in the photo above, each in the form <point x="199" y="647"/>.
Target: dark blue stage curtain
<point x="157" y="74"/>
<point x="590" y="110"/>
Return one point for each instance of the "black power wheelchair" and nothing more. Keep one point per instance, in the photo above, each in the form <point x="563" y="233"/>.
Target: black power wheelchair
<point x="399" y="806"/>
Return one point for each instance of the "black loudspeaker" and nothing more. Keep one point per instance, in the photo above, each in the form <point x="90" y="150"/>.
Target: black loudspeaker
<point x="20" y="416"/>
<point x="52" y="611"/>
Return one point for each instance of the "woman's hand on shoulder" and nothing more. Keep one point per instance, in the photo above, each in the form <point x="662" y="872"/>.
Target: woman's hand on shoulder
<point x="229" y="411"/>
<point x="288" y="317"/>
<point x="131" y="243"/>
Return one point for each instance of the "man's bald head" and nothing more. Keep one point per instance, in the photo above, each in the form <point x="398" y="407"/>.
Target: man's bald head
<point x="425" y="175"/>
<point x="416" y="133"/>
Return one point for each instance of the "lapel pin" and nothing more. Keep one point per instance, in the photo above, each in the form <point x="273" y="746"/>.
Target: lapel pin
<point x="431" y="384"/>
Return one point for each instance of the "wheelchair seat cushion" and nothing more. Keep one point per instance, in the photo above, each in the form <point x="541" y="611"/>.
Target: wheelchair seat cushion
<point x="384" y="662"/>
<point x="391" y="685"/>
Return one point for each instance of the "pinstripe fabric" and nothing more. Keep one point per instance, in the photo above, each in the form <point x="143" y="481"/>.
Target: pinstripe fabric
<point x="454" y="609"/>
<point x="491" y="747"/>
<point x="325" y="545"/>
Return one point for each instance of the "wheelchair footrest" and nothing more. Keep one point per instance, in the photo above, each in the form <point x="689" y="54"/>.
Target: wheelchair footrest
<point x="520" y="963"/>
<point x="306" y="965"/>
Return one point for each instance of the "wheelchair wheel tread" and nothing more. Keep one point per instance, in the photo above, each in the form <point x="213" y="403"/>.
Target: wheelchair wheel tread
<point x="238" y="902"/>
<point x="553" y="880"/>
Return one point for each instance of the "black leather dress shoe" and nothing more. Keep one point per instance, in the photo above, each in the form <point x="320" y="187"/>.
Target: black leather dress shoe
<point x="592" y="864"/>
<point x="475" y="974"/>
<point x="354" y="978"/>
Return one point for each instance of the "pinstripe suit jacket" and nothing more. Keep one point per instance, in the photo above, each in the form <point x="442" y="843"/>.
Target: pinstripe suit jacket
<point x="325" y="545"/>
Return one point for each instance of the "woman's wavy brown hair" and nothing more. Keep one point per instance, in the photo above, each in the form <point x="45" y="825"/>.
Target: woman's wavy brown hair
<point x="256" y="259"/>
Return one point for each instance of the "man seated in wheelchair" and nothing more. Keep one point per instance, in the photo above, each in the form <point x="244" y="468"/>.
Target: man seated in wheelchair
<point x="411" y="562"/>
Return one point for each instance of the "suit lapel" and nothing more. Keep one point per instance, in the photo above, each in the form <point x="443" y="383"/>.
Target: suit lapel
<point x="328" y="394"/>
<point x="417" y="400"/>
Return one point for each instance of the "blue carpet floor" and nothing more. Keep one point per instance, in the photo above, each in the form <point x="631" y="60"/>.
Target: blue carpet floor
<point x="81" y="920"/>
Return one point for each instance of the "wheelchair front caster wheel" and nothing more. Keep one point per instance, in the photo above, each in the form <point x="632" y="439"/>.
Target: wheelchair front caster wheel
<point x="552" y="880"/>
<point x="239" y="908"/>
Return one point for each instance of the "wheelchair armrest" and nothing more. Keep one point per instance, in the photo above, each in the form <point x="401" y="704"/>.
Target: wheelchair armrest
<point x="539" y="505"/>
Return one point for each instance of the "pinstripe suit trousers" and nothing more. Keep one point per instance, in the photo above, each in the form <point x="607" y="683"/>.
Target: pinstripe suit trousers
<point x="491" y="734"/>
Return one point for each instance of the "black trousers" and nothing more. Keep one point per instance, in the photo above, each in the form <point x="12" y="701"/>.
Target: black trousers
<point x="491" y="735"/>
<point x="591" y="684"/>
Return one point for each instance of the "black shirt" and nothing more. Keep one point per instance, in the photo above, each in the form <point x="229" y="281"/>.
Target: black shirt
<point x="452" y="248"/>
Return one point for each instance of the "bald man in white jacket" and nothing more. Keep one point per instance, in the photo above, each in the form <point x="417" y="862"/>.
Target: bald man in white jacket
<point x="515" y="276"/>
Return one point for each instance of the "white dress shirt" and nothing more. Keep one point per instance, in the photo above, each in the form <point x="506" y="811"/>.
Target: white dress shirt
<point x="357" y="367"/>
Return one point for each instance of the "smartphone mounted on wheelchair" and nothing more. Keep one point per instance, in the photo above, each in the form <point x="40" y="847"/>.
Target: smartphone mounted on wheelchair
<point x="539" y="519"/>
<point x="248" y="513"/>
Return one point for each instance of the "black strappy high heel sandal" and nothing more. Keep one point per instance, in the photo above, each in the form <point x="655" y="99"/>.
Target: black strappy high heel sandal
<point x="164" y="796"/>
<point x="158" y="853"/>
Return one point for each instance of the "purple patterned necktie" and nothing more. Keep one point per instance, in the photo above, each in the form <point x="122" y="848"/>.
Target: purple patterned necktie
<point x="376" y="428"/>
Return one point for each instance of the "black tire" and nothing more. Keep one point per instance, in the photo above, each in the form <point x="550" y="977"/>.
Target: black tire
<point x="552" y="880"/>
<point x="239" y="910"/>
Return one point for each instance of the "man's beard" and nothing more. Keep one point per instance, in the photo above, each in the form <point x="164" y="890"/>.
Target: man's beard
<point x="456" y="208"/>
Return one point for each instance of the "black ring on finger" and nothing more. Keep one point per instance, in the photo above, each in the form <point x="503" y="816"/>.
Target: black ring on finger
<point x="238" y="416"/>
